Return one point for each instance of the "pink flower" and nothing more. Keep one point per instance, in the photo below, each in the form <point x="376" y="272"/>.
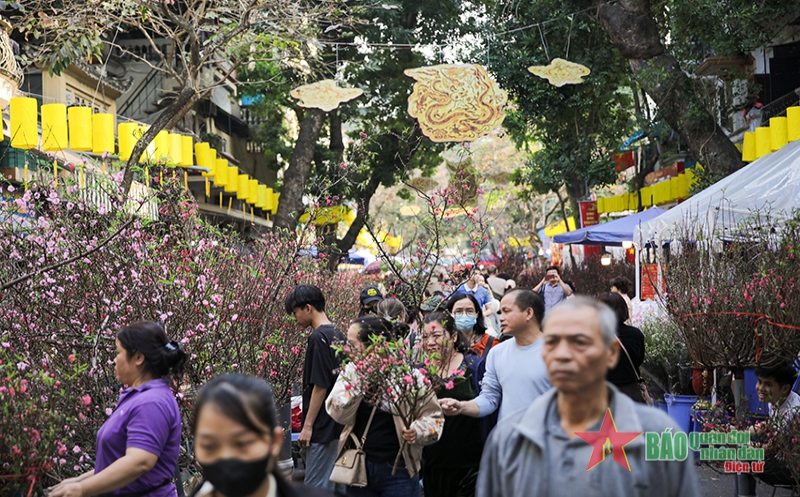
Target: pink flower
<point x="449" y="385"/>
<point x="408" y="379"/>
<point x="71" y="358"/>
<point x="108" y="411"/>
<point x="86" y="400"/>
<point x="348" y="387"/>
<point x="76" y="449"/>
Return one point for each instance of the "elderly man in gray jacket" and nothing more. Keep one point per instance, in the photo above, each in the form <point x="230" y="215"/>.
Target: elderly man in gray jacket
<point x="582" y="437"/>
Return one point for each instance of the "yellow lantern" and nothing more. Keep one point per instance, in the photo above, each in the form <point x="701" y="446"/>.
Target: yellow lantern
<point x="269" y="200"/>
<point x="103" y="133"/>
<point x="54" y="127"/>
<point x="261" y="202"/>
<point x="187" y="158"/>
<point x="149" y="154"/>
<point x="176" y="149"/>
<point x="201" y="152"/>
<point x="210" y="161"/>
<point x="233" y="180"/>
<point x="80" y="128"/>
<point x="162" y="146"/>
<point x="763" y="142"/>
<point x="647" y="196"/>
<point x="793" y="123"/>
<point x="778" y="133"/>
<point x="252" y="197"/>
<point x="243" y="190"/>
<point x="127" y="139"/>
<point x="24" y="122"/>
<point x="275" y="198"/>
<point x="221" y="172"/>
<point x="749" y="147"/>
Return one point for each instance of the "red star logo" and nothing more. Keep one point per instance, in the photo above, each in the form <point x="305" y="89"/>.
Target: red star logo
<point x="608" y="440"/>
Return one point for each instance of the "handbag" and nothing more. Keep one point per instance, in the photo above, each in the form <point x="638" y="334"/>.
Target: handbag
<point x="350" y="467"/>
<point x="642" y="387"/>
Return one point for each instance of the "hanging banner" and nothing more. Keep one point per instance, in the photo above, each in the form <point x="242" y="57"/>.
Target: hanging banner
<point x="651" y="281"/>
<point x="589" y="217"/>
<point x="455" y="102"/>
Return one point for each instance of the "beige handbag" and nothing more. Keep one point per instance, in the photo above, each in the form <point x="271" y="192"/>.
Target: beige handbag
<point x="350" y="467"/>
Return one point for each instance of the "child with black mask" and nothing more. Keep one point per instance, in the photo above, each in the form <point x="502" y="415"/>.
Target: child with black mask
<point x="238" y="439"/>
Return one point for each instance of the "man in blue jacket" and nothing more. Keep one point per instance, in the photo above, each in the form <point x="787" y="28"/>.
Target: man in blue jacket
<point x="582" y="437"/>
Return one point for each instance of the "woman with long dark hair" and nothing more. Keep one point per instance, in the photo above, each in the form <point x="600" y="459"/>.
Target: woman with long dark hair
<point x="138" y="445"/>
<point x="237" y="439"/>
<point x="625" y="375"/>
<point x="451" y="464"/>
<point x="382" y="427"/>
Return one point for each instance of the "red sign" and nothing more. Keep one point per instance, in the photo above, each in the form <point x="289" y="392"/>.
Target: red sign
<point x="650" y="282"/>
<point x="589" y="216"/>
<point x="624" y="160"/>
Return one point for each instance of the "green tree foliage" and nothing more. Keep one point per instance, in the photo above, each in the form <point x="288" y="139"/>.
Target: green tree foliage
<point x="576" y="126"/>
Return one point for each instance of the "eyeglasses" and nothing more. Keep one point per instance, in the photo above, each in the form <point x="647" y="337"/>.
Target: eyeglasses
<point x="462" y="312"/>
<point x="435" y="336"/>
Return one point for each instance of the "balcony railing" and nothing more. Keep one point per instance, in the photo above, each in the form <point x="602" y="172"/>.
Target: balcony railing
<point x="778" y="107"/>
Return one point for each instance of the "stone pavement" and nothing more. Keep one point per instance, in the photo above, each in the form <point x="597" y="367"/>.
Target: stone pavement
<point x="714" y="484"/>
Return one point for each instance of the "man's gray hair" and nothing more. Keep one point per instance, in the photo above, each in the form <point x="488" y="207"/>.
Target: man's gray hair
<point x="606" y="318"/>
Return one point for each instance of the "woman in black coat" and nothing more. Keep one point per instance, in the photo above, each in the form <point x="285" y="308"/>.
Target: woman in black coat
<point x="625" y="375"/>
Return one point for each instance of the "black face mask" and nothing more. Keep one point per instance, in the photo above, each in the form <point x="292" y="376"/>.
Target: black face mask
<point x="236" y="478"/>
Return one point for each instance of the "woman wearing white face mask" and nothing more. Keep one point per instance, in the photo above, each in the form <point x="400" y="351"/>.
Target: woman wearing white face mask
<point x="237" y="439"/>
<point x="468" y="315"/>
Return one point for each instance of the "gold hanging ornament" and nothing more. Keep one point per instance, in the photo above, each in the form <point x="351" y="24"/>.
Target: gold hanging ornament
<point x="455" y="102"/>
<point x="561" y="72"/>
<point x="324" y="95"/>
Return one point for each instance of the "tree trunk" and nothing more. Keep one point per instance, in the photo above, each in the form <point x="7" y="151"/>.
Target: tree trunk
<point x="169" y="118"/>
<point x="340" y="248"/>
<point x="337" y="141"/>
<point x="566" y="224"/>
<point x="290" y="206"/>
<point x="632" y="29"/>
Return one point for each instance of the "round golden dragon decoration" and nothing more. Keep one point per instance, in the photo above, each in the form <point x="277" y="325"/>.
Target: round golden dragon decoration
<point x="455" y="102"/>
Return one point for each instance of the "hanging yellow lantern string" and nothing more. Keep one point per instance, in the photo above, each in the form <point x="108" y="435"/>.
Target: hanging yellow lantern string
<point x="173" y="175"/>
<point x="208" y="188"/>
<point x="244" y="211"/>
<point x="220" y="200"/>
<point x="186" y="181"/>
<point x="103" y="168"/>
<point x="230" y="203"/>
<point x="146" y="176"/>
<point x="55" y="174"/>
<point x="25" y="176"/>
<point x="252" y="214"/>
<point x="81" y="177"/>
<point x="161" y="178"/>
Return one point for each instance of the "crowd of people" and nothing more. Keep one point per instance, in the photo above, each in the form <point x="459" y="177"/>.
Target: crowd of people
<point x="535" y="371"/>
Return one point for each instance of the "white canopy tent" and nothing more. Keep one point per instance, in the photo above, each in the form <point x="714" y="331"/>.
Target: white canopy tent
<point x="769" y="185"/>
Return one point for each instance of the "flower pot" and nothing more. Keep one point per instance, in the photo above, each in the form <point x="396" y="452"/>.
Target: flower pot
<point x="702" y="381"/>
<point x="678" y="407"/>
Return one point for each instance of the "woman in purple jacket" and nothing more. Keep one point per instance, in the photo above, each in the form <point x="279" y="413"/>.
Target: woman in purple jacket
<point x="138" y="445"/>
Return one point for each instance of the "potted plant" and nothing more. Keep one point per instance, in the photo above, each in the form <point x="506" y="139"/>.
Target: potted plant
<point x="667" y="368"/>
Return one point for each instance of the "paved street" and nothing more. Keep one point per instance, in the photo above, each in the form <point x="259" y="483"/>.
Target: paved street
<point x="714" y="484"/>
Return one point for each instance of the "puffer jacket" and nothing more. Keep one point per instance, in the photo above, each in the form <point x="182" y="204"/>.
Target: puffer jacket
<point x="342" y="405"/>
